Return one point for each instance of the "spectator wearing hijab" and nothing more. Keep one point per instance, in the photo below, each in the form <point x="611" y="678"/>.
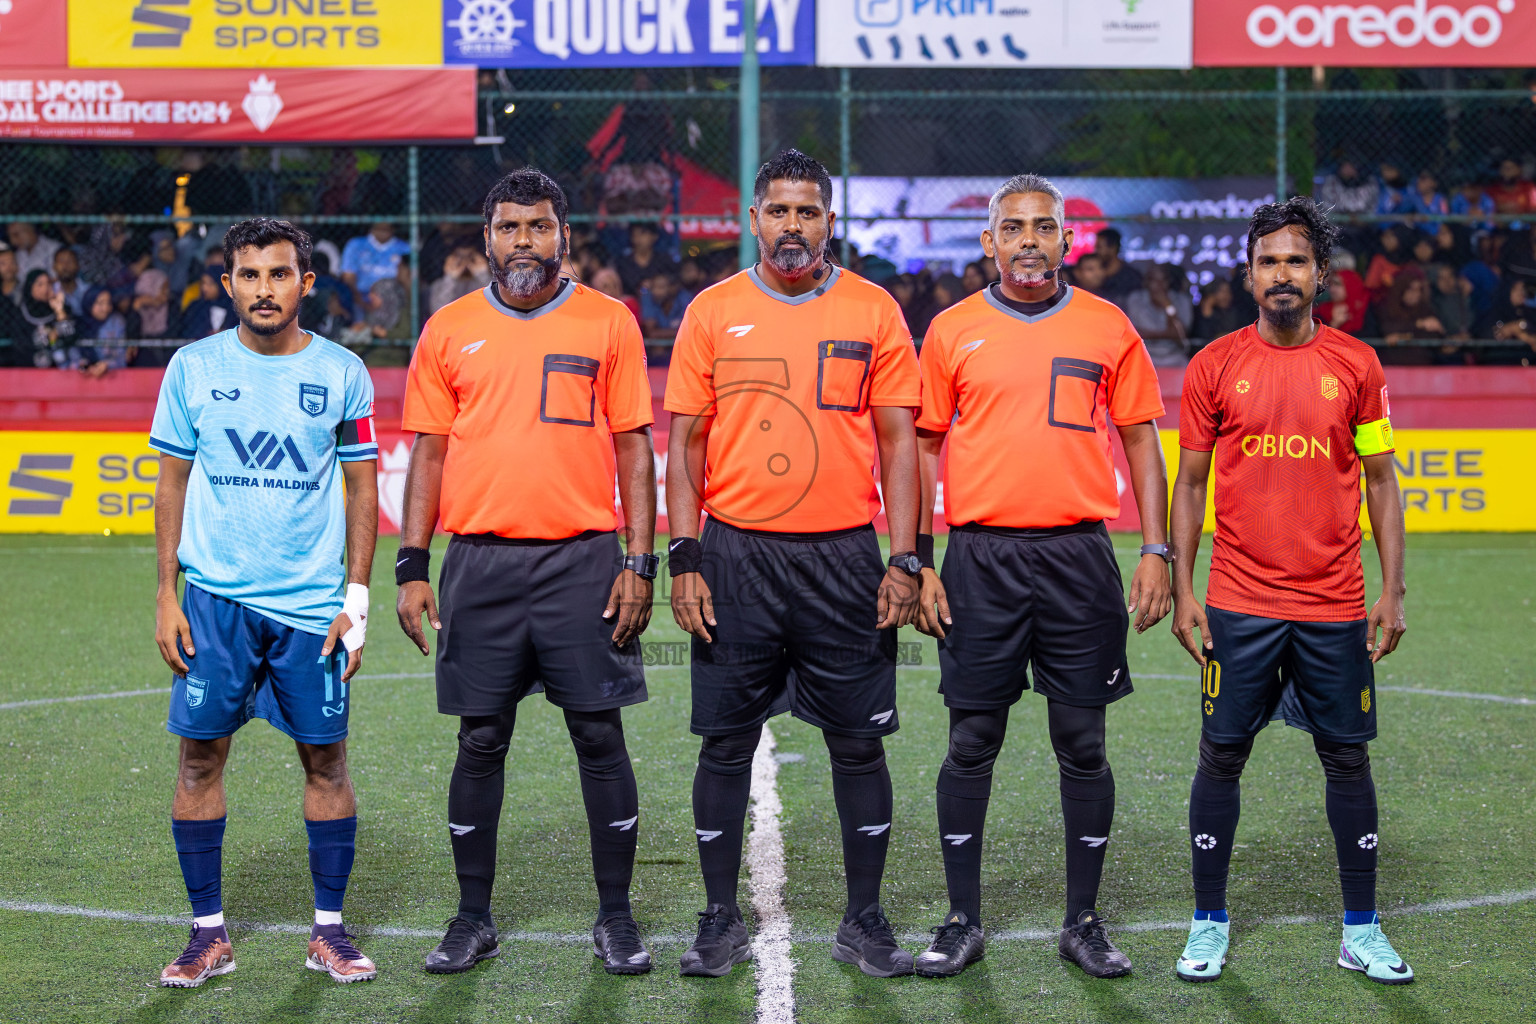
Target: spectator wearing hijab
<point x="1404" y="315"/>
<point x="212" y="311"/>
<point x="53" y="329"/>
<point x="1348" y="303"/>
<point x="102" y="332"/>
<point x="1388" y="263"/>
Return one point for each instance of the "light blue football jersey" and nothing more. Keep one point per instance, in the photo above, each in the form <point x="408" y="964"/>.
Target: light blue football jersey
<point x="265" y="519"/>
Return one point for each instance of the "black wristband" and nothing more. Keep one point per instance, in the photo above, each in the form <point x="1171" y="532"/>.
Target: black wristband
<point x="685" y="554"/>
<point x="925" y="549"/>
<point x="412" y="565"/>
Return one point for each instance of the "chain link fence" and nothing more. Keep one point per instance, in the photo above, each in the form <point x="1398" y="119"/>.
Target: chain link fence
<point x="1171" y="161"/>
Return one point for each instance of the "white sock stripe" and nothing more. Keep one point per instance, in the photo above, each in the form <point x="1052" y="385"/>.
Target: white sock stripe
<point x="774" y="967"/>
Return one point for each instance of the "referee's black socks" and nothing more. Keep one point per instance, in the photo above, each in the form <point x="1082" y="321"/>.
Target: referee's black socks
<point x="613" y="805"/>
<point x="1087" y="800"/>
<point x="474" y="806"/>
<point x="861" y="786"/>
<point x="721" y="787"/>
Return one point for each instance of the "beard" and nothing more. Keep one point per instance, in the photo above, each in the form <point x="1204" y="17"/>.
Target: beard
<point x="523" y="284"/>
<point x="1021" y="278"/>
<point x="790" y="261"/>
<point x="1289" y="317"/>
<point x="268" y="328"/>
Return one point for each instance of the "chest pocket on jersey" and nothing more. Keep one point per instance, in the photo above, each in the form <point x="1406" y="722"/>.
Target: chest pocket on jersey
<point x="568" y="393"/>
<point x="1074" y="393"/>
<point x="842" y="370"/>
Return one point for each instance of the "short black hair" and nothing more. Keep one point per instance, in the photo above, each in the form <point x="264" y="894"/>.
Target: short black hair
<point x="1298" y="211"/>
<point x="1112" y="236"/>
<point x="792" y="165"/>
<point x="527" y="186"/>
<point x="260" y="232"/>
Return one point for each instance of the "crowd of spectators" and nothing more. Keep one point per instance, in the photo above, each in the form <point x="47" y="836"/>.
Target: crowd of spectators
<point x="105" y="295"/>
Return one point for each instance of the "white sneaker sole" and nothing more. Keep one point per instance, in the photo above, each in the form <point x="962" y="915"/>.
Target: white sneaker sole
<point x="1404" y="980"/>
<point x="345" y="979"/>
<point x="194" y="982"/>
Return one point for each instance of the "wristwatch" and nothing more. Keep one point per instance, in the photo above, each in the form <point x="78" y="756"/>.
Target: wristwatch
<point x="908" y="563"/>
<point x="644" y="566"/>
<point x="1161" y="550"/>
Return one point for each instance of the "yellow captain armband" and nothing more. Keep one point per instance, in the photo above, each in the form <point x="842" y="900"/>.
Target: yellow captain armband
<point x="1373" y="438"/>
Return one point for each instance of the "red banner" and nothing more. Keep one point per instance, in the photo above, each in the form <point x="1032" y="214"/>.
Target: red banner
<point x="238" y="105"/>
<point x="33" y="32"/>
<point x="1413" y="33"/>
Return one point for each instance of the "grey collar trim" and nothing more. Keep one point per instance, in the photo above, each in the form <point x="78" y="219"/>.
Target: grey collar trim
<point x="566" y="288"/>
<point x="1005" y="308"/>
<point x="796" y="300"/>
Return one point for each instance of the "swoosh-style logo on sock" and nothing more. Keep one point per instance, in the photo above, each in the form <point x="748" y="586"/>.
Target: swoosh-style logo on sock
<point x="874" y="830"/>
<point x="705" y="836"/>
<point x="955" y="839"/>
<point x="460" y="830"/>
<point x="1094" y="841"/>
<point x="625" y="825"/>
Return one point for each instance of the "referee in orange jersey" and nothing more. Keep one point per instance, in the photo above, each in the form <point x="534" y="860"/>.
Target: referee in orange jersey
<point x="789" y="384"/>
<point x="526" y="399"/>
<point x="1025" y="378"/>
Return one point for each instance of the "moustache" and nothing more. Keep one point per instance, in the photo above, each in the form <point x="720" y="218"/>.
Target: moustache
<point x="274" y="307"/>
<point x="1283" y="289"/>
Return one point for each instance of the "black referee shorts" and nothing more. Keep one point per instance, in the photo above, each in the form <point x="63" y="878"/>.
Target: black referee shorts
<point x="1050" y="599"/>
<point x="1316" y="676"/>
<point x="795" y="632"/>
<point x="524" y="616"/>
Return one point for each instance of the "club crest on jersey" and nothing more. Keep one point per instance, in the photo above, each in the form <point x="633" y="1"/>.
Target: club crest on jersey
<point x="1365" y="700"/>
<point x="312" y="398"/>
<point x="1330" y="386"/>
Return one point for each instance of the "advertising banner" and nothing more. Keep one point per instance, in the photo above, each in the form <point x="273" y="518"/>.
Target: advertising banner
<point x="95" y="482"/>
<point x="33" y="32"/>
<point x="1182" y="231"/>
<point x="238" y="105"/>
<point x="1431" y="33"/>
<point x="251" y="33"/>
<point x="1003" y="34"/>
<point x="622" y="33"/>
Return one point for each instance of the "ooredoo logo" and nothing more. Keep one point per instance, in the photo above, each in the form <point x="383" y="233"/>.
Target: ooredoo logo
<point x="1367" y="25"/>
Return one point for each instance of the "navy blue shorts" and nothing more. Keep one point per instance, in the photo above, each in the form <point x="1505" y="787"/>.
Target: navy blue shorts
<point x="1316" y="676"/>
<point x="249" y="666"/>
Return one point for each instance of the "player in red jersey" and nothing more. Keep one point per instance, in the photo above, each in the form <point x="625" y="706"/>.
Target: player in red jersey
<point x="1290" y="411"/>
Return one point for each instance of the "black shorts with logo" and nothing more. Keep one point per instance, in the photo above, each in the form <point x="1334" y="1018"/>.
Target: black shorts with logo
<point x="1047" y="599"/>
<point x="795" y="631"/>
<point x="525" y="616"/>
<point x="1316" y="676"/>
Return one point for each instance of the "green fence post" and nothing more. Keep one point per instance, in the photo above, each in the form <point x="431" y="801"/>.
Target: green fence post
<point x="845" y="148"/>
<point x="749" y="115"/>
<point x="413" y="214"/>
<point x="1281" y="194"/>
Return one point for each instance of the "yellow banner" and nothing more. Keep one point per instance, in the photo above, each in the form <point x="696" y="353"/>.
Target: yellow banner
<point x="90" y="482"/>
<point x="253" y="33"/>
<point x="1453" y="481"/>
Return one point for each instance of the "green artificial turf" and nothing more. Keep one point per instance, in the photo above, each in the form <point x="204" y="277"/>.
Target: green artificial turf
<point x="85" y="807"/>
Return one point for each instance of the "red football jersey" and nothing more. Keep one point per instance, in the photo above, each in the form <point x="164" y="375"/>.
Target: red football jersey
<point x="1288" y="427"/>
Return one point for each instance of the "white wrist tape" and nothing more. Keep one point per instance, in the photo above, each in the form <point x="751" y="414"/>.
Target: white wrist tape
<point x="355" y="607"/>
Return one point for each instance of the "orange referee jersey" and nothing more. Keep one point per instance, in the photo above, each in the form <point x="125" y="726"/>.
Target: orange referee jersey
<point x="529" y="402"/>
<point x="790" y="382"/>
<point x="1027" y="401"/>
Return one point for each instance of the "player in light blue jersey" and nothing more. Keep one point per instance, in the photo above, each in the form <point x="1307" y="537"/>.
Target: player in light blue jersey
<point x="268" y="502"/>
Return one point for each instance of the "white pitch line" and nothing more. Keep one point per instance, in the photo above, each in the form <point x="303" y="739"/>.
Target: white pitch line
<point x="1503" y="899"/>
<point x="109" y="695"/>
<point x="1494" y="697"/>
<point x="765" y="863"/>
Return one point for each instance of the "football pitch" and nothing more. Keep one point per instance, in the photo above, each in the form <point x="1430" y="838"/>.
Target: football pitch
<point x="92" y="904"/>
